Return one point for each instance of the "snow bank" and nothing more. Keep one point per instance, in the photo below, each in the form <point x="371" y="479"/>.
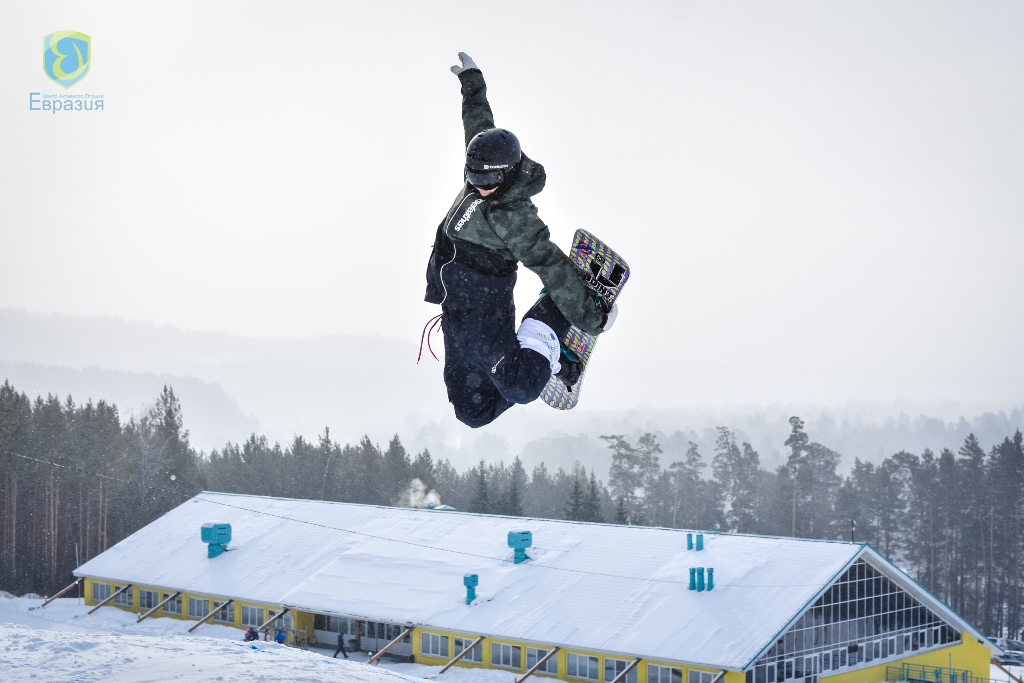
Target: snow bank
<point x="39" y="654"/>
<point x="63" y="643"/>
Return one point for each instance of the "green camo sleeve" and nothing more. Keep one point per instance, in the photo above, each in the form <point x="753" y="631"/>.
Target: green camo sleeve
<point x="529" y="240"/>
<point x="476" y="112"/>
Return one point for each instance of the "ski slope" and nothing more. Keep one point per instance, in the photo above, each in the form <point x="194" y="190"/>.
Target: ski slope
<point x="63" y="643"/>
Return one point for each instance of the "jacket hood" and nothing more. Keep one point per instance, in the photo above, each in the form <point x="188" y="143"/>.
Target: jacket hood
<point x="529" y="181"/>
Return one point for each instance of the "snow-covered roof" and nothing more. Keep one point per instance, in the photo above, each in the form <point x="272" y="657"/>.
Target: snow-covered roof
<point x="615" y="589"/>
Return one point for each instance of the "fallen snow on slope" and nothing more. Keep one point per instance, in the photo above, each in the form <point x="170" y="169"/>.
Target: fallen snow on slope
<point x="31" y="654"/>
<point x="64" y="643"/>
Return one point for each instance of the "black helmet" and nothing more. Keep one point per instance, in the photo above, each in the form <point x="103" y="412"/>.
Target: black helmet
<point x="490" y="156"/>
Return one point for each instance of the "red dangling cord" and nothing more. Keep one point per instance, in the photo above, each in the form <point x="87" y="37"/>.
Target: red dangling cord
<point x="432" y="323"/>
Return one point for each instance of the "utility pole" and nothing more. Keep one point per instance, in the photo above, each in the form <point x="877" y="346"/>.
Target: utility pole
<point x="853" y="530"/>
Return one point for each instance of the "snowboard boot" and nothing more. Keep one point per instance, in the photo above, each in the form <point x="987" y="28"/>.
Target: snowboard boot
<point x="571" y="370"/>
<point x="537" y="336"/>
<point x="547" y="313"/>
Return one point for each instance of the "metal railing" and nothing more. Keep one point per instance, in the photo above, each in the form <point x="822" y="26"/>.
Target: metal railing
<point x="916" y="673"/>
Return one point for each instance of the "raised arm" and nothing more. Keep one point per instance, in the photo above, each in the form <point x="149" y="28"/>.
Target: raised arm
<point x="476" y="112"/>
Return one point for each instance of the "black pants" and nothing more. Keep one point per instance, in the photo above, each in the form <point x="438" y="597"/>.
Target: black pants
<point x="485" y="370"/>
<point x="341" y="649"/>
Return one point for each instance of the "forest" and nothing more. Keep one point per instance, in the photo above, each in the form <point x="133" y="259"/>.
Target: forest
<point x="76" y="479"/>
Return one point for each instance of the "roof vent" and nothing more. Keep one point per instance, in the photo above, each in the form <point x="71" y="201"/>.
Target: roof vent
<point x="470" y="581"/>
<point x="697" y="579"/>
<point x="218" y="535"/>
<point x="520" y="541"/>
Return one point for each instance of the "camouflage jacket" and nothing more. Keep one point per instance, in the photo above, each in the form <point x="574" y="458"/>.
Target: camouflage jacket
<point x="481" y="240"/>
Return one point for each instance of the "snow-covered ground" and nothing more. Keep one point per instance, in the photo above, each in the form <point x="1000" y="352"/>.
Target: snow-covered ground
<point x="998" y="674"/>
<point x="62" y="643"/>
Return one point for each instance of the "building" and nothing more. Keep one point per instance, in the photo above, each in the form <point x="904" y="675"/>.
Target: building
<point x="613" y="603"/>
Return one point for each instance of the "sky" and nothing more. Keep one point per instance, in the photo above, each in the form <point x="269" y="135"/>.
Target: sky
<point x="819" y="201"/>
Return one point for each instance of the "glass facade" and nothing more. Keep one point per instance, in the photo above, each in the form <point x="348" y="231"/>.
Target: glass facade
<point x="863" y="617"/>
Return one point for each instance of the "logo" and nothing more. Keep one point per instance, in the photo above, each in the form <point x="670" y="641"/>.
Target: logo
<point x="66" y="57"/>
<point x="469" y="214"/>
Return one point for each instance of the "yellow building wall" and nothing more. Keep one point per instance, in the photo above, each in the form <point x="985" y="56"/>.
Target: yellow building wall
<point x="562" y="657"/>
<point x="302" y="620"/>
<point x="969" y="654"/>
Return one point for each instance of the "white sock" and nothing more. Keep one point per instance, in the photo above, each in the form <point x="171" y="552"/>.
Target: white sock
<point x="536" y="336"/>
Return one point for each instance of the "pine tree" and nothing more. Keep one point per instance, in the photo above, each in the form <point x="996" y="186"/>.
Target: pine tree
<point x="624" y="474"/>
<point x="512" y="496"/>
<point x="574" y="506"/>
<point x="797" y="442"/>
<point x="649" y="476"/>
<point x="621" y="515"/>
<point x="592" y="501"/>
<point x="481" y="500"/>
<point x="397" y="470"/>
<point x="423" y="469"/>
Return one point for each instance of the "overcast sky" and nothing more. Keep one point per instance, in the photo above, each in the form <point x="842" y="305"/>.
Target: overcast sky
<point x="819" y="201"/>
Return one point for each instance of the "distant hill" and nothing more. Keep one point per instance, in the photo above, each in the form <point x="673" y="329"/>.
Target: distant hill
<point x="211" y="415"/>
<point x="354" y="385"/>
<point x="232" y="385"/>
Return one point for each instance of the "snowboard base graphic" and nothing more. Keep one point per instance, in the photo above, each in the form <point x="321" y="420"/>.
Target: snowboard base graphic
<point x="605" y="273"/>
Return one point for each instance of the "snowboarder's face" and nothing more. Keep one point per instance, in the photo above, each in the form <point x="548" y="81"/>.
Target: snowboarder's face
<point x="484" y="193"/>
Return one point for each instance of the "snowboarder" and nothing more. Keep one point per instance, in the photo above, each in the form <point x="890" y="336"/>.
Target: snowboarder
<point x="341" y="647"/>
<point x="491" y="227"/>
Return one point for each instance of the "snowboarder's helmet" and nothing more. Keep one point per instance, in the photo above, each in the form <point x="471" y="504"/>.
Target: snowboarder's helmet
<point x="491" y="156"/>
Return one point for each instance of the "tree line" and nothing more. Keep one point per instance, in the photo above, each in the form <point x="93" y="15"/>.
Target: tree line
<point x="74" y="480"/>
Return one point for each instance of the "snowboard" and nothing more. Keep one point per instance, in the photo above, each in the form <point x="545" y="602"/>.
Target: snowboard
<point x="605" y="273"/>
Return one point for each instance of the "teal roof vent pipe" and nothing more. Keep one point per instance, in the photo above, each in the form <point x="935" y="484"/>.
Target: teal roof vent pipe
<point x="519" y="541"/>
<point x="693" y="578"/>
<point x="689" y="541"/>
<point x="471" y="581"/>
<point x="700" y="579"/>
<point x="700" y="541"/>
<point x="217" y="535"/>
<point x="711" y="579"/>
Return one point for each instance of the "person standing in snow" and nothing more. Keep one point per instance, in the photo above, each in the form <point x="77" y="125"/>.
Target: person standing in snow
<point x="280" y="636"/>
<point x="491" y="227"/>
<point x="341" y="647"/>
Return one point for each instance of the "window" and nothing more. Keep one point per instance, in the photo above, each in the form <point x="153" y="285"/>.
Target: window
<point x="284" y="622"/>
<point x="664" y="674"/>
<point x="148" y="600"/>
<point x="225" y="613"/>
<point x="475" y="655"/>
<point x="172" y="607"/>
<point x="534" y="655"/>
<point x="100" y="591"/>
<point x="434" y="645"/>
<point x="507" y="656"/>
<point x="252" y="616"/>
<point x="862" y="617"/>
<point x="198" y="607"/>
<point x="124" y="599"/>
<point x="582" y="666"/>
<point x="699" y="676"/>
<point x="614" y="667"/>
<point x="338" y="625"/>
